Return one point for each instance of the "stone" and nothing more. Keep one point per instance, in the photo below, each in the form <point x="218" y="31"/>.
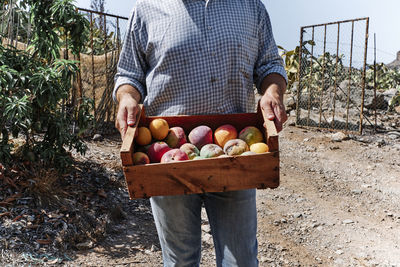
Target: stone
<point x="85" y="245"/>
<point x="297" y="215"/>
<point x="348" y="221"/>
<point x="380" y="102"/>
<point x="339" y="252"/>
<point x="380" y="142"/>
<point x="393" y="135"/>
<point x="366" y="185"/>
<point x="397" y="146"/>
<point x="206" y="228"/>
<point x="290" y="104"/>
<point x="356" y="191"/>
<point x="339" y="137"/>
<point x="97" y="137"/>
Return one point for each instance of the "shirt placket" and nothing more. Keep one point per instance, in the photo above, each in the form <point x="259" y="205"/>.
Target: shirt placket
<point x="212" y="57"/>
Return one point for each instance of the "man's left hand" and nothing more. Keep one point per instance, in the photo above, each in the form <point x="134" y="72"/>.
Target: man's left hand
<point x="272" y="100"/>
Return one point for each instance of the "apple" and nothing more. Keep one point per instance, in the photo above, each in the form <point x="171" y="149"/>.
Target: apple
<point x="201" y="136"/>
<point x="140" y="158"/>
<point x="191" y="150"/>
<point x="251" y="135"/>
<point x="224" y="133"/>
<point x="174" y="155"/>
<point x="211" y="151"/>
<point x="176" y="137"/>
<point x="235" y="147"/>
<point x="157" y="150"/>
<point x="259" y="147"/>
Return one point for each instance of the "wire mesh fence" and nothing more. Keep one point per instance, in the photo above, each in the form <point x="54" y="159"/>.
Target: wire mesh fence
<point x="97" y="62"/>
<point x="332" y="80"/>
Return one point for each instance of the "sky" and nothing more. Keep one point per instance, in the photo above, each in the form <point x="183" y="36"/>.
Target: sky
<point x="287" y="16"/>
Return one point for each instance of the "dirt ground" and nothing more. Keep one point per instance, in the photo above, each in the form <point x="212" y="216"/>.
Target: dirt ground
<point x="338" y="205"/>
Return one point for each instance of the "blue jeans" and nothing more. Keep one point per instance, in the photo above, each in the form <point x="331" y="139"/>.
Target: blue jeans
<point x="233" y="220"/>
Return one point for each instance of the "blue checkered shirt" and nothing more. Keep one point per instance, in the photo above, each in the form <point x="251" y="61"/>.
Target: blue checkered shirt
<point x="198" y="57"/>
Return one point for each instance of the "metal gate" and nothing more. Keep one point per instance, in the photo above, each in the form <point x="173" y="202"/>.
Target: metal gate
<point x="332" y="82"/>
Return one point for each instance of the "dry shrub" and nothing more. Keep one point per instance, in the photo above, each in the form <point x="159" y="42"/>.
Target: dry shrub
<point x="47" y="187"/>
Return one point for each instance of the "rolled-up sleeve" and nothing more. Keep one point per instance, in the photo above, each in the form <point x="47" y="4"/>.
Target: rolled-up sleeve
<point x="268" y="61"/>
<point x="132" y="66"/>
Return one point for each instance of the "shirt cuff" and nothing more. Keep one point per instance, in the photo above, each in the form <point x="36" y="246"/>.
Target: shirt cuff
<point x="277" y="69"/>
<point x="137" y="85"/>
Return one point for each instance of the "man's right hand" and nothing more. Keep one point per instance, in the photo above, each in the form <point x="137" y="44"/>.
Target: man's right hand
<point x="128" y="98"/>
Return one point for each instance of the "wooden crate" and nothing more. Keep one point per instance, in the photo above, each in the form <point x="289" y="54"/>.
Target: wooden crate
<point x="208" y="175"/>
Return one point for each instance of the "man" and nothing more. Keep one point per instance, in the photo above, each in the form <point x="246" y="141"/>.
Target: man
<point x="201" y="57"/>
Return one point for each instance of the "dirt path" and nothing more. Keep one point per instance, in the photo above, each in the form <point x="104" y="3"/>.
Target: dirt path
<point x="338" y="203"/>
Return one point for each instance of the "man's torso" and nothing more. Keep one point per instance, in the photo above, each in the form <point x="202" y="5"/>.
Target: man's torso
<point x="200" y="55"/>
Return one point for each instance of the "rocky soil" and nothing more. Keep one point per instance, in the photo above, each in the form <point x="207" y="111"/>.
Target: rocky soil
<point x="338" y="205"/>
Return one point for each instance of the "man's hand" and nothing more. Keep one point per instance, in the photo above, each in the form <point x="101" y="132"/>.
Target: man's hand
<point x="128" y="98"/>
<point x="274" y="87"/>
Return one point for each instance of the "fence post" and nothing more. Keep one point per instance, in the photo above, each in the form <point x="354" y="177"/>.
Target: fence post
<point x="336" y="77"/>
<point x="309" y="80"/>
<point x="299" y="77"/>
<point x="375" y="115"/>
<point x="364" y="75"/>
<point x="93" y="72"/>
<point x="350" y="72"/>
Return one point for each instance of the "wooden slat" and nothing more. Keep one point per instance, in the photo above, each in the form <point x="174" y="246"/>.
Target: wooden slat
<point x="199" y="176"/>
<point x="271" y="132"/>
<point x="127" y="150"/>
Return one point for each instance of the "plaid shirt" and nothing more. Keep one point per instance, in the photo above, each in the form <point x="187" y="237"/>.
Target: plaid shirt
<point x="198" y="57"/>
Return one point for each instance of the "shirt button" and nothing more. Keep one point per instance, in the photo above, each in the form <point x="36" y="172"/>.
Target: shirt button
<point x="209" y="27"/>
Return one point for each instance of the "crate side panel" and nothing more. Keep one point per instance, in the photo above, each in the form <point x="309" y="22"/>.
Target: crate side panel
<point x="210" y="175"/>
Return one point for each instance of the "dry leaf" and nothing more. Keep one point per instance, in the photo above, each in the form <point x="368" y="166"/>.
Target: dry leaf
<point x="17" y="218"/>
<point x="44" y="241"/>
<point x="102" y="193"/>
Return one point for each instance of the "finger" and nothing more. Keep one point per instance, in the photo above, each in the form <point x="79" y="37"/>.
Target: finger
<point x="120" y="123"/>
<point x="278" y="124"/>
<point x="269" y="112"/>
<point x="123" y="132"/>
<point x="284" y="116"/>
<point x="280" y="117"/>
<point x="131" y="119"/>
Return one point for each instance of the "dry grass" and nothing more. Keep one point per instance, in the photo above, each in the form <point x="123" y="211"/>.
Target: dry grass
<point x="46" y="187"/>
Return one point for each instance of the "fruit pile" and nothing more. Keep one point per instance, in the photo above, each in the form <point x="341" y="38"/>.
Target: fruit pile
<point x="160" y="143"/>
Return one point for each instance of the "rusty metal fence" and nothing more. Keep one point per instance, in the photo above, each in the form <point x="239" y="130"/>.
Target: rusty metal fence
<point x="332" y="76"/>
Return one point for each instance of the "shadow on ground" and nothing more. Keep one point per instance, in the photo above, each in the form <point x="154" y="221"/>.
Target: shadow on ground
<point x="85" y="210"/>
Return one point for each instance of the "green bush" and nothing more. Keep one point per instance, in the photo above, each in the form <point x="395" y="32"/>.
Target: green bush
<point x="35" y="86"/>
